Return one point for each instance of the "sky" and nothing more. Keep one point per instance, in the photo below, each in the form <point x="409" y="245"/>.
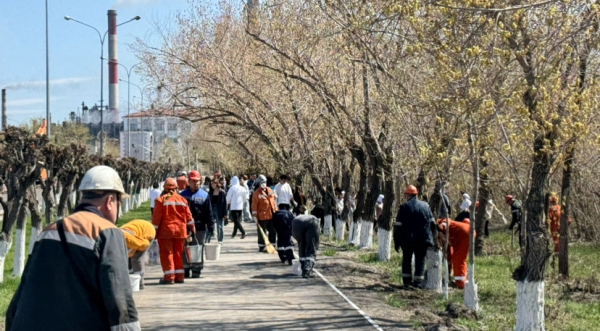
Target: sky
<point x="74" y="52"/>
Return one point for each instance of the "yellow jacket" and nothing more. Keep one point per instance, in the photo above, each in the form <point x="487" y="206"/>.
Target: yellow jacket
<point x="138" y="234"/>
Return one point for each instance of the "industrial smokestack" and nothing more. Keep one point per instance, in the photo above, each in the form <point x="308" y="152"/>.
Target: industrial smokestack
<point x="113" y="78"/>
<point x="3" y="109"/>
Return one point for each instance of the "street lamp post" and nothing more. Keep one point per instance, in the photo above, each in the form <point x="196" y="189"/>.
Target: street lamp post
<point x="102" y="39"/>
<point x="129" y="71"/>
<point x="141" y="118"/>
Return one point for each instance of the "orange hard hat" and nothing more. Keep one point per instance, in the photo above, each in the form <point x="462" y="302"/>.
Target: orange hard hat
<point x="411" y="189"/>
<point x="194" y="174"/>
<point x="553" y="198"/>
<point x="508" y="198"/>
<point x="170" y="183"/>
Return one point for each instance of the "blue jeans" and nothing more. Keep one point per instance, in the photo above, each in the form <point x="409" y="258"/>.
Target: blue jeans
<point x="219" y="225"/>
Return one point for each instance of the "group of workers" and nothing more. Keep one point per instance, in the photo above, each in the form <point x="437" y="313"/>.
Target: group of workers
<point x="416" y="230"/>
<point x="91" y="252"/>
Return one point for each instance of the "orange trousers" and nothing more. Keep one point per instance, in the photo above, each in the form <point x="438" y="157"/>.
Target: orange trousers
<point x="170" y="258"/>
<point x="457" y="260"/>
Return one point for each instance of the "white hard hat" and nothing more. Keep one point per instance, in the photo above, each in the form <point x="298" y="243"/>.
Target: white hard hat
<point x="102" y="178"/>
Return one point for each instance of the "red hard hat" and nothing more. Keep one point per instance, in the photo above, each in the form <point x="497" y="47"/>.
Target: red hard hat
<point x="411" y="189"/>
<point x="170" y="183"/>
<point x="508" y="198"/>
<point x="553" y="198"/>
<point x="194" y="174"/>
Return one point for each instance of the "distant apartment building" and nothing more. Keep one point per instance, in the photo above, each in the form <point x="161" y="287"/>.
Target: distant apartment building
<point x="148" y="129"/>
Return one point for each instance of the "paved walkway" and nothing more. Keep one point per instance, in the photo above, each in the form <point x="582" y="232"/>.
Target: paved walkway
<point x="244" y="290"/>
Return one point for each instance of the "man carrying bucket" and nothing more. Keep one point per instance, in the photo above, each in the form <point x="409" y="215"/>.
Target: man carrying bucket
<point x="172" y="219"/>
<point x="201" y="208"/>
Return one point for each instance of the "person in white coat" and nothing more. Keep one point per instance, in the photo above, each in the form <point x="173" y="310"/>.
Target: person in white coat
<point x="284" y="193"/>
<point x="247" y="216"/>
<point x="236" y="196"/>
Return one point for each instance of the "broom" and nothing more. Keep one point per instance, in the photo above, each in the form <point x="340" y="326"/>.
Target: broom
<point x="268" y="245"/>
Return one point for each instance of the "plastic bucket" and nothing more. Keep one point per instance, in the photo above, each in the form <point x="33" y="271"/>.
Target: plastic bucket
<point x="297" y="268"/>
<point x="212" y="252"/>
<point x="195" y="253"/>
<point x="135" y="282"/>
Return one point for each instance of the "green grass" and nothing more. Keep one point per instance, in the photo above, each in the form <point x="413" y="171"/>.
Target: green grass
<point x="9" y="286"/>
<point x="329" y="252"/>
<point x="568" y="307"/>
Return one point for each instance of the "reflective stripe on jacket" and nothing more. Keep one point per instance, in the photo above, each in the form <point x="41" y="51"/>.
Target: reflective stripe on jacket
<point x="171" y="217"/>
<point x="263" y="203"/>
<point x="54" y="296"/>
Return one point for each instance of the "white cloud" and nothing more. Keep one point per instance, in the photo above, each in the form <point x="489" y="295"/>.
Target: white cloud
<point x="39" y="84"/>
<point x="29" y="101"/>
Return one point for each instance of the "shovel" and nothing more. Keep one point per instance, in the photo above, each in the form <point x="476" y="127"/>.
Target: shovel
<point x="268" y="245"/>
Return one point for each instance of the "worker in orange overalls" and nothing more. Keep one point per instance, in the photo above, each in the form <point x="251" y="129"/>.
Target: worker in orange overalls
<point x="173" y="220"/>
<point x="458" y="248"/>
<point x="138" y="235"/>
<point x="554" y="220"/>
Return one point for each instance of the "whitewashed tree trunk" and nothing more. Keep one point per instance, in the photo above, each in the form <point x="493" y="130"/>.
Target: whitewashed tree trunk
<point x="433" y="280"/>
<point x="446" y="277"/>
<point x="33" y="237"/>
<point x="4" y="248"/>
<point x="366" y="236"/>
<point x="384" y="248"/>
<point x="471" y="298"/>
<point x="120" y="211"/>
<point x="340" y="229"/>
<point x="19" y="256"/>
<point x="530" y="306"/>
<point x="356" y="226"/>
<point x="327" y="227"/>
<point x="73" y="198"/>
<point x="126" y="205"/>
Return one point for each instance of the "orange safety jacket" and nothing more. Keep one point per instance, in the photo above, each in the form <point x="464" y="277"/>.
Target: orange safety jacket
<point x="138" y="234"/>
<point x="171" y="217"/>
<point x="263" y="203"/>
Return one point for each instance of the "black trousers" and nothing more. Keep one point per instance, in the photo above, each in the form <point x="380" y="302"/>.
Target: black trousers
<point x="306" y="233"/>
<point x="269" y="229"/>
<point x="236" y="218"/>
<point x="419" y="250"/>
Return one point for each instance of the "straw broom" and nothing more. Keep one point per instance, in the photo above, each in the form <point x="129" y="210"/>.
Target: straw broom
<point x="268" y="245"/>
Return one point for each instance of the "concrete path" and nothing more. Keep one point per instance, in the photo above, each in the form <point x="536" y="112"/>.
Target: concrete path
<point x="244" y="290"/>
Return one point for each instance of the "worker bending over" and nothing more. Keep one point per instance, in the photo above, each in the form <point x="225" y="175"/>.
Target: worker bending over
<point x="413" y="234"/>
<point x="138" y="235"/>
<point x="306" y="232"/>
<point x="458" y="247"/>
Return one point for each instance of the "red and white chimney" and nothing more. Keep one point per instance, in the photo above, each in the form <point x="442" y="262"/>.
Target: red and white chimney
<point x="113" y="77"/>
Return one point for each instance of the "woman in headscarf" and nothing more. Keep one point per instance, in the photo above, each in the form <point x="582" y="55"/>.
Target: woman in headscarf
<point x="379" y="206"/>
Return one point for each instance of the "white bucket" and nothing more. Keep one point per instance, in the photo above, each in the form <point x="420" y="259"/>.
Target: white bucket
<point x="195" y="253"/>
<point x="135" y="282"/>
<point x="297" y="268"/>
<point x="213" y="251"/>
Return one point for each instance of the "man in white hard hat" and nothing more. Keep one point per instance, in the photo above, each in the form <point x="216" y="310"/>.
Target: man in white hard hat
<point x="76" y="278"/>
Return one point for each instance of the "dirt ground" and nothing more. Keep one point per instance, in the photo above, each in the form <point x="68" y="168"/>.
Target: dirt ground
<point x="370" y="288"/>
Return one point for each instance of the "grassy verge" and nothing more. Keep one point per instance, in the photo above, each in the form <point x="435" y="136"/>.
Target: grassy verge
<point x="572" y="304"/>
<point x="9" y="286"/>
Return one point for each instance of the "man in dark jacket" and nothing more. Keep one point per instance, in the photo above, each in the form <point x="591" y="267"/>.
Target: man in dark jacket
<point x="306" y="231"/>
<point x="516" y="209"/>
<point x="282" y="221"/>
<point x="413" y="233"/>
<point x="201" y="208"/>
<point x="76" y="278"/>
